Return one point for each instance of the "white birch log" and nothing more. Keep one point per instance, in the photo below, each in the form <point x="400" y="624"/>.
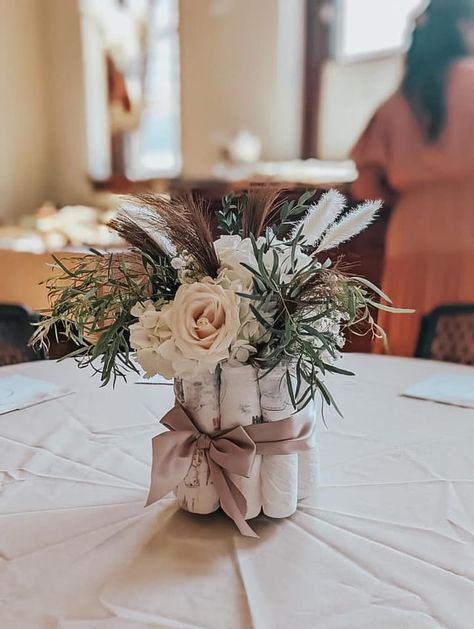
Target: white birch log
<point x="279" y="473"/>
<point x="240" y="406"/>
<point x="308" y="463"/>
<point x="196" y="493"/>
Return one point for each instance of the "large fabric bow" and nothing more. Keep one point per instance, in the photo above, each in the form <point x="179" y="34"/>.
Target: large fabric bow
<point x="227" y="452"/>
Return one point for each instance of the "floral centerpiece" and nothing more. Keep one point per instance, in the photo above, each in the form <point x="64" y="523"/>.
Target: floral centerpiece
<point x="247" y="312"/>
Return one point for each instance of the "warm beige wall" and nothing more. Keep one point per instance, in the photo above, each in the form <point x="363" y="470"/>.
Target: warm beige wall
<point x="42" y="122"/>
<point x="232" y="78"/>
<point x="241" y="68"/>
<point x="24" y="143"/>
<point x="69" y="181"/>
<point x="351" y="93"/>
<point x="237" y="73"/>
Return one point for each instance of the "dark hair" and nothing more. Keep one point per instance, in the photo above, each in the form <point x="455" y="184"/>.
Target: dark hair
<point x="437" y="43"/>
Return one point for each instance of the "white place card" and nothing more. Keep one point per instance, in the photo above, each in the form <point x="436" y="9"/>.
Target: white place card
<point x="17" y="392"/>
<point x="446" y="388"/>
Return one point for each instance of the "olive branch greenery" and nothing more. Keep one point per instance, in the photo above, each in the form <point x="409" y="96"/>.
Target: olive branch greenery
<point x="229" y="216"/>
<point x="313" y="293"/>
<point x="91" y="301"/>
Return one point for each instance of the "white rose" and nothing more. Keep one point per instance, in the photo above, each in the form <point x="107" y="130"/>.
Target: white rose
<point x="227" y="244"/>
<point x="178" y="263"/>
<point x="204" y="320"/>
<point x="251" y="330"/>
<point x="230" y="280"/>
<point x="231" y="256"/>
<point x="232" y="252"/>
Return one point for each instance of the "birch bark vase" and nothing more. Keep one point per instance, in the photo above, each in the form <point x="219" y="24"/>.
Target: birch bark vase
<point x="279" y="473"/>
<point x="240" y="406"/>
<point x="308" y="462"/>
<point x="196" y="493"/>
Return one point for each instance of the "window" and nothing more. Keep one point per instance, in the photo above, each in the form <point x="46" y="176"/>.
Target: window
<point x="131" y="61"/>
<point x="370" y="28"/>
<point x="154" y="149"/>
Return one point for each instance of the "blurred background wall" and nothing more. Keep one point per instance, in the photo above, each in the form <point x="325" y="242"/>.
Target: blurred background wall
<point x="225" y="86"/>
<point x="66" y="100"/>
<point x="42" y="122"/>
<point x="24" y="111"/>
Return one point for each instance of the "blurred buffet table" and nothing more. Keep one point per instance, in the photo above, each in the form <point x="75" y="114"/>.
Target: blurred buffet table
<point x="26" y="249"/>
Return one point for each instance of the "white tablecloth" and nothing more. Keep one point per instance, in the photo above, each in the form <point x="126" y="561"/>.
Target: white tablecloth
<point x="386" y="543"/>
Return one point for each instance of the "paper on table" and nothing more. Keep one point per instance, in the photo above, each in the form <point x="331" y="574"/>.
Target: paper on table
<point x="446" y="388"/>
<point x="17" y="392"/>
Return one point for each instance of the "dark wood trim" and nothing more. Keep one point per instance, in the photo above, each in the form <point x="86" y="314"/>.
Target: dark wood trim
<point x="207" y="188"/>
<point x="316" y="53"/>
<point x="120" y="184"/>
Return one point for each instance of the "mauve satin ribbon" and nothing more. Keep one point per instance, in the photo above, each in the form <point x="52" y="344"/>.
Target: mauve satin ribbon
<point x="227" y="452"/>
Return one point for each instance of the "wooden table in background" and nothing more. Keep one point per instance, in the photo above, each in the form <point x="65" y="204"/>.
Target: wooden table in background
<point x="20" y="276"/>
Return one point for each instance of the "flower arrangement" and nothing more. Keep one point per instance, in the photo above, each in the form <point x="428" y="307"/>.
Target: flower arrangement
<point x="181" y="302"/>
<point x="247" y="312"/>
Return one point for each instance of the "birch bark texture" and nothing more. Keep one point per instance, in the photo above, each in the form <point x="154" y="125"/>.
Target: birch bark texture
<point x="279" y="473"/>
<point x="240" y="406"/>
<point x="200" y="397"/>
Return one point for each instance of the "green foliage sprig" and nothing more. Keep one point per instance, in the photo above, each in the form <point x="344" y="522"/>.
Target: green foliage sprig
<point x="284" y="213"/>
<point x="292" y="210"/>
<point x="229" y="217"/>
<point x="313" y="293"/>
<point x="91" y="302"/>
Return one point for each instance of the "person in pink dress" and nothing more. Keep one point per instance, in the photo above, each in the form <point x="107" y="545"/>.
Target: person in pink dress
<point x="417" y="154"/>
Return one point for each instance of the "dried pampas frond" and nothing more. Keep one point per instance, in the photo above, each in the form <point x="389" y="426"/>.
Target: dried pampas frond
<point x="259" y="209"/>
<point x="352" y="224"/>
<point x="142" y="228"/>
<point x="185" y="222"/>
<point x="115" y="268"/>
<point x="320" y="216"/>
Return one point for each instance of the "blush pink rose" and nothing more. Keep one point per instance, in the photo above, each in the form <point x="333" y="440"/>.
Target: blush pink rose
<point x="204" y="321"/>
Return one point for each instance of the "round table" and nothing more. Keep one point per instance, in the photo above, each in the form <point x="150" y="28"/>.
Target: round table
<point x="386" y="541"/>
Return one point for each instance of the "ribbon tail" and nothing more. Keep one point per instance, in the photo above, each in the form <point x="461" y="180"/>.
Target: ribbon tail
<point x="232" y="500"/>
<point x="172" y="456"/>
